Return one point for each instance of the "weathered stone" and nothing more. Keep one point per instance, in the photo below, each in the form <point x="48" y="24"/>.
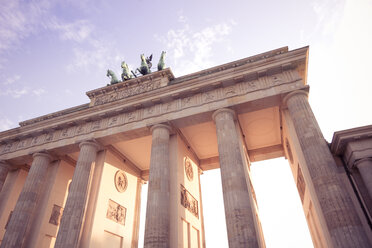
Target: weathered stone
<point x="22" y="215"/>
<point x="157" y="213"/>
<point x="73" y="214"/>
<point x="238" y="210"/>
<point x="336" y="205"/>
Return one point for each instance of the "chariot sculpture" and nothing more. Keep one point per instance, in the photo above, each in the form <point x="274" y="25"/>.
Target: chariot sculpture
<point x="144" y="69"/>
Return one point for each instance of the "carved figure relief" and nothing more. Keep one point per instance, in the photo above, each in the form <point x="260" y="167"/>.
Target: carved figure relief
<point x="300" y="184"/>
<point x="289" y="151"/>
<point x="121" y="181"/>
<point x="7" y="222"/>
<point x="96" y="125"/>
<point x="188" y="168"/>
<point x="116" y="212"/>
<point x="55" y="217"/>
<point x="8" y="147"/>
<point x="189" y="202"/>
<point x="49" y="136"/>
<point x="64" y="132"/>
<point x="113" y="121"/>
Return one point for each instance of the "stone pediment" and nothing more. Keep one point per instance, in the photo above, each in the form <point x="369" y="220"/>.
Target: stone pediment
<point x="159" y="97"/>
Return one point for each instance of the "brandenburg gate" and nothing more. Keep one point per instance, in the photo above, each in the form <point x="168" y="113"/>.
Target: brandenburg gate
<point x="73" y="178"/>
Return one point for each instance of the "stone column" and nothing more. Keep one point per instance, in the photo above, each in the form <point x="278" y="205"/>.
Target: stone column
<point x="341" y="218"/>
<point x="27" y="201"/>
<point x="364" y="166"/>
<point x="4" y="168"/>
<point x="73" y="214"/>
<point x="238" y="210"/>
<point x="157" y="213"/>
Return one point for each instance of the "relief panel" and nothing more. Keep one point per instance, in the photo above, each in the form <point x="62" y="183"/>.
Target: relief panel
<point x="189" y="202"/>
<point x="116" y="212"/>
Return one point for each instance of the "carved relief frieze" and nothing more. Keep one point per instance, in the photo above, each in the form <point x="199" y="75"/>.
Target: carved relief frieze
<point x="131" y="116"/>
<point x="116" y="212"/>
<point x="21" y="144"/>
<point x="64" y="133"/>
<point x="126" y="92"/>
<point x="168" y="107"/>
<point x="189" y="202"/>
<point x="209" y="96"/>
<point x="230" y="90"/>
<point x="113" y="121"/>
<point x="151" y="111"/>
<point x="55" y="217"/>
<point x="49" y="136"/>
<point x="96" y="125"/>
<point x="81" y="128"/>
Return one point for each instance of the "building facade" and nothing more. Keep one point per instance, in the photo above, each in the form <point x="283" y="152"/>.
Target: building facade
<point x="73" y="178"/>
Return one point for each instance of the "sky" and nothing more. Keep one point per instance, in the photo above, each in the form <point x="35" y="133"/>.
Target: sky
<point x="52" y="52"/>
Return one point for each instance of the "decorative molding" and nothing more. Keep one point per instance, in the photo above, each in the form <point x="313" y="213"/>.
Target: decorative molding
<point x="116" y="212"/>
<point x="189" y="202"/>
<point x="121" y="181"/>
<point x="188" y="168"/>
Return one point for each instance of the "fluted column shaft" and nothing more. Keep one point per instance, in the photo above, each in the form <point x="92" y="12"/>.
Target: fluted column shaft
<point x="157" y="213"/>
<point x="364" y="166"/>
<point x="4" y="168"/>
<point x="238" y="210"/>
<point x="336" y="205"/>
<point x="73" y="214"/>
<point x="27" y="202"/>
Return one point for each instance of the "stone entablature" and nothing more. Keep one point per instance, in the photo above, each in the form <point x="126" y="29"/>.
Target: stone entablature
<point x="278" y="72"/>
<point x="353" y="144"/>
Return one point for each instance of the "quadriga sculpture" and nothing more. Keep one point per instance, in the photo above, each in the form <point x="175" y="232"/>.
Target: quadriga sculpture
<point x="161" y="64"/>
<point x="114" y="79"/>
<point x="144" y="68"/>
<point x="125" y="75"/>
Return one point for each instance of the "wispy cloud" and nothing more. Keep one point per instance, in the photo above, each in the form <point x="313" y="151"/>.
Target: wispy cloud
<point x="77" y="31"/>
<point x="187" y="43"/>
<point x="329" y="13"/>
<point x="15" y="93"/>
<point x="6" y="124"/>
<point x="38" y="92"/>
<point x="11" y="80"/>
<point x="339" y="64"/>
<point x="19" y="20"/>
<point x="18" y="92"/>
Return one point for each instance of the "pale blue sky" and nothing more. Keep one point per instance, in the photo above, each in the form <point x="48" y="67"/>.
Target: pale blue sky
<point x="52" y="52"/>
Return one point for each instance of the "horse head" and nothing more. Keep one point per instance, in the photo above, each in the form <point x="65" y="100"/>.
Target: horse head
<point x="143" y="59"/>
<point x="163" y="53"/>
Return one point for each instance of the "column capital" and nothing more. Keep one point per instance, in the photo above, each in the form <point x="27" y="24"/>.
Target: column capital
<point x="359" y="161"/>
<point x="42" y="154"/>
<point x="293" y="93"/>
<point x="152" y="128"/>
<point x="92" y="143"/>
<point x="223" y="110"/>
